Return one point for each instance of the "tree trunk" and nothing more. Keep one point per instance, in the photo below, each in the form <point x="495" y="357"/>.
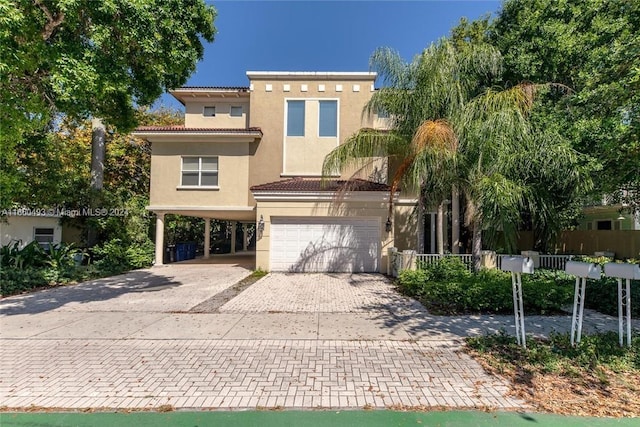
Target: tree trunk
<point x="477" y="245"/>
<point x="97" y="172"/>
<point x="440" y="230"/>
<point x="97" y="154"/>
<point x="455" y="221"/>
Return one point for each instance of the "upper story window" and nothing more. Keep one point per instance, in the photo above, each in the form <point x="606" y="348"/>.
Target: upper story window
<point x="44" y="236"/>
<point x="236" y="111"/>
<point x="199" y="172"/>
<point x="295" y="118"/>
<point x="382" y="114"/>
<point x="328" y="122"/>
<point x="209" y="111"/>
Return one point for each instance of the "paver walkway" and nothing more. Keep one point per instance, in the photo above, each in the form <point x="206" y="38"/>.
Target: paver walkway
<point x="289" y="341"/>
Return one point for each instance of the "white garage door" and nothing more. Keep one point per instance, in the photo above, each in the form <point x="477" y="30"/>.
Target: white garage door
<point x="333" y="244"/>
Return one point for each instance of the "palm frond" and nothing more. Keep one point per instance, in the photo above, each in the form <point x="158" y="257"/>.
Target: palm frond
<point x="359" y="148"/>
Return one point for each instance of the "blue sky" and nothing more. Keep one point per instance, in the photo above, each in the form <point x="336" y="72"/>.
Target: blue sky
<point x="320" y="35"/>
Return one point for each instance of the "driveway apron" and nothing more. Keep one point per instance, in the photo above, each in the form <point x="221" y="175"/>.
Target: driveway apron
<point x="146" y="339"/>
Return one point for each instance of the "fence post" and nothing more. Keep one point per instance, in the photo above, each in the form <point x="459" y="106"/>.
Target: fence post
<point x="489" y="260"/>
<point x="408" y="260"/>
<point x="391" y="258"/>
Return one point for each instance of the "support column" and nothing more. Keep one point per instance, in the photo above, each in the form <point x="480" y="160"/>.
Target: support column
<point x="432" y="235"/>
<point x="207" y="237"/>
<point x="159" y="238"/>
<point x="244" y="237"/>
<point x="455" y="221"/>
<point x="234" y="224"/>
<point x="440" y="226"/>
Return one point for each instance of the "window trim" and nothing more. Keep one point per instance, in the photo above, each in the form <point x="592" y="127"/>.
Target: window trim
<point x="204" y="109"/>
<point x="199" y="186"/>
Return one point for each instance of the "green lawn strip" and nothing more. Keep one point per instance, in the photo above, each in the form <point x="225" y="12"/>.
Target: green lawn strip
<point x="303" y="418"/>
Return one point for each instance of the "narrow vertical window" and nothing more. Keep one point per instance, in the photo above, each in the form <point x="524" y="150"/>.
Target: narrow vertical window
<point x="328" y="118"/>
<point x="295" y="118"/>
<point x="382" y="113"/>
<point x="236" y="111"/>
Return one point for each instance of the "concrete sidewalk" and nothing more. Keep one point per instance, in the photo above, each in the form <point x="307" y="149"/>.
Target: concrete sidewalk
<point x="288" y="341"/>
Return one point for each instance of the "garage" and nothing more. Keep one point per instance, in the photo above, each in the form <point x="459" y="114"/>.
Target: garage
<point x="325" y="244"/>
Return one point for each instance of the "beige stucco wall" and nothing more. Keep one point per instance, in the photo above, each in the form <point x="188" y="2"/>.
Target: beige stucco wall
<point x="405" y="227"/>
<point x="194" y="118"/>
<point x="233" y="174"/>
<point x="22" y="228"/>
<point x="353" y="209"/>
<point x="267" y="111"/>
<point x="303" y="155"/>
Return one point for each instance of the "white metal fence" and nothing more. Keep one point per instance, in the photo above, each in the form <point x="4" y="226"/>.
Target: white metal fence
<point x="426" y="259"/>
<point x="552" y="262"/>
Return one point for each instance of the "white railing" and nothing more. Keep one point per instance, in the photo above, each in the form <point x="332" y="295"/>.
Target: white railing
<point x="400" y="262"/>
<point x="551" y="262"/>
<point x="426" y="259"/>
<point x="554" y="262"/>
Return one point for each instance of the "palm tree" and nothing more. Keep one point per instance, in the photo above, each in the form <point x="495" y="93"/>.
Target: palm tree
<point x="449" y="133"/>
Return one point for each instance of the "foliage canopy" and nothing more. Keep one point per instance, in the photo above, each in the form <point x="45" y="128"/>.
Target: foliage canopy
<point x="81" y="58"/>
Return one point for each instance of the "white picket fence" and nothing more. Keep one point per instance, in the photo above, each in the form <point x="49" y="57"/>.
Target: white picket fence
<point x="426" y="259"/>
<point x="551" y="262"/>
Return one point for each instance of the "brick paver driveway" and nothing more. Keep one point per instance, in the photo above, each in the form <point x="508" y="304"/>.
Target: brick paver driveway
<point x="163" y="336"/>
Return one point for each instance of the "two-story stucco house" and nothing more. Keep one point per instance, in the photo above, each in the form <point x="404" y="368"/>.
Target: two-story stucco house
<point x="254" y="155"/>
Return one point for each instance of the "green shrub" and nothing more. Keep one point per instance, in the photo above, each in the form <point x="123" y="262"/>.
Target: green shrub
<point x="491" y="292"/>
<point x="115" y="257"/>
<point x="449" y="267"/>
<point x="602" y="295"/>
<point x="14" y="280"/>
<point x="412" y="281"/>
<point x="556" y="354"/>
<point x="31" y="255"/>
<point x="447" y="287"/>
<point x="599" y="260"/>
<point x="547" y="291"/>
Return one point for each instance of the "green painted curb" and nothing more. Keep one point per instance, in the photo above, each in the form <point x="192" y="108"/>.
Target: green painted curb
<point x="304" y="418"/>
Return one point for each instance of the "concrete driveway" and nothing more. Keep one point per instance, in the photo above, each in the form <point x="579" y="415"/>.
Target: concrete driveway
<point x="177" y="335"/>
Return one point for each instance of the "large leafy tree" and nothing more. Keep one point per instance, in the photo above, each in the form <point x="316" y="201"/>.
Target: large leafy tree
<point x="593" y="47"/>
<point x="57" y="174"/>
<point x="449" y="131"/>
<point x="78" y="58"/>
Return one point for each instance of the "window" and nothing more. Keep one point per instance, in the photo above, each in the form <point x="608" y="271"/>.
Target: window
<point x="236" y="111"/>
<point x="382" y="114"/>
<point x="209" y="111"/>
<point x="44" y="236"/>
<point x="328" y="118"/>
<point x="603" y="225"/>
<point x="295" y="118"/>
<point x="199" y="171"/>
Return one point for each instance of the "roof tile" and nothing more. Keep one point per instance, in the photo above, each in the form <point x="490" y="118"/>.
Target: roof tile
<point x="236" y="88"/>
<point x="180" y="128"/>
<point x="309" y="184"/>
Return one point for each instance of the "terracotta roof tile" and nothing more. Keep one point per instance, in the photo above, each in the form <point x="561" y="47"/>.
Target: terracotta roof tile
<point x="180" y="128"/>
<point x="310" y="184"/>
<point x="237" y="88"/>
